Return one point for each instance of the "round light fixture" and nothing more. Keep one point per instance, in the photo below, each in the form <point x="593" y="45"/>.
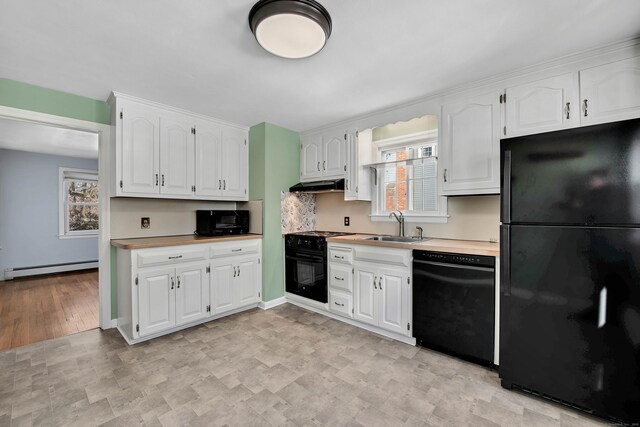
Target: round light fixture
<point x="290" y="28"/>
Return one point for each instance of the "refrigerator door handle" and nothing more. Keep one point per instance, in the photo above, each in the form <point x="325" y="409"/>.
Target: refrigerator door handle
<point x="602" y="307"/>
<point x="505" y="260"/>
<point x="506" y="188"/>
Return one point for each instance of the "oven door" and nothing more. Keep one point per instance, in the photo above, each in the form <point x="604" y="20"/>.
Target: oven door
<point x="306" y="275"/>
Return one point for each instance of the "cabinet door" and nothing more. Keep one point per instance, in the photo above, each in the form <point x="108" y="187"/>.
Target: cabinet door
<point x="246" y="285"/>
<point x="223" y="272"/>
<point x="351" y="175"/>
<point x="393" y="305"/>
<point x="156" y="300"/>
<point x="140" y="150"/>
<point x="192" y="293"/>
<point x="334" y="156"/>
<point x="471" y="146"/>
<point x="610" y="92"/>
<point x="234" y="163"/>
<point x="208" y="160"/>
<point x="177" y="152"/>
<point x="364" y="295"/>
<point x="311" y="159"/>
<point x="542" y="106"/>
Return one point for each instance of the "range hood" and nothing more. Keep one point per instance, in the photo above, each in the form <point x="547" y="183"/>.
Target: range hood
<point x="330" y="186"/>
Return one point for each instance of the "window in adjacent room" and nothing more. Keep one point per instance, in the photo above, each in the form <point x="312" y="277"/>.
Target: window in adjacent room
<point x="78" y="202"/>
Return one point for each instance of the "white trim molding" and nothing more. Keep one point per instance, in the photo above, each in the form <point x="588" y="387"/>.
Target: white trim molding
<point x="266" y="305"/>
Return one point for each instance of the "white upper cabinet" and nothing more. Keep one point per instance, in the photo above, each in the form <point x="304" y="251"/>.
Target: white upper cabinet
<point x="357" y="185"/>
<point x="208" y="143"/>
<point x="470" y="154"/>
<point x="542" y="106"/>
<point x="610" y="92"/>
<point x="161" y="152"/>
<point x="234" y="163"/>
<point x="177" y="155"/>
<point x="323" y="156"/>
<point x="140" y="150"/>
<point x="311" y="159"/>
<point x="334" y="150"/>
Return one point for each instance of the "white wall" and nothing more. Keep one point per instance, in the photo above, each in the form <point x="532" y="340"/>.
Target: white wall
<point x="168" y="217"/>
<point x="29" y="212"/>
<point x="470" y="218"/>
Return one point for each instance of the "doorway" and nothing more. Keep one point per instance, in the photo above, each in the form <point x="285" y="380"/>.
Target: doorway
<point x="50" y="229"/>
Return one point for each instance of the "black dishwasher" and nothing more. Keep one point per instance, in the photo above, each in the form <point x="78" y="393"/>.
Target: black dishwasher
<point x="454" y="304"/>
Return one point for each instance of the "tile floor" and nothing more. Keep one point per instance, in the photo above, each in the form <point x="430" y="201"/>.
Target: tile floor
<point x="284" y="366"/>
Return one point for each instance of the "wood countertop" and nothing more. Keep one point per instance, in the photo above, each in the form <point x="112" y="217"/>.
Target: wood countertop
<point x="187" y="239"/>
<point x="471" y="247"/>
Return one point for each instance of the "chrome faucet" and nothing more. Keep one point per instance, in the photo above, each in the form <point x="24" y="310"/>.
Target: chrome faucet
<point x="400" y="220"/>
<point x="419" y="232"/>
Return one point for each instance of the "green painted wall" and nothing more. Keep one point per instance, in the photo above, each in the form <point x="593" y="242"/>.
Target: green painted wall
<point x="35" y="98"/>
<point x="274" y="166"/>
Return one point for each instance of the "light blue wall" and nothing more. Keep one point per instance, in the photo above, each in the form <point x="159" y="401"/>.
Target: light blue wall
<point x="29" y="211"/>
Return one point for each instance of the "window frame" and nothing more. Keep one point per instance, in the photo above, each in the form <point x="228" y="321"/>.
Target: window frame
<point x="377" y="204"/>
<point x="63" y="211"/>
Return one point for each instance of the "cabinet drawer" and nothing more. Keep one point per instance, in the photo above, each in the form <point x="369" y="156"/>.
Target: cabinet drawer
<point x="171" y="256"/>
<point x="240" y="247"/>
<point x="341" y="303"/>
<point x="340" y="276"/>
<point x="338" y="254"/>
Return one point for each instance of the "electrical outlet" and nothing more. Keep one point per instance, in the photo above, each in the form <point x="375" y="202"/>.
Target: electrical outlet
<point x="346" y="221"/>
<point x="145" y="223"/>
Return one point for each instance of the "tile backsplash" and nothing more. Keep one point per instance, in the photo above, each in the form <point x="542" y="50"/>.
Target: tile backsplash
<point x="298" y="212"/>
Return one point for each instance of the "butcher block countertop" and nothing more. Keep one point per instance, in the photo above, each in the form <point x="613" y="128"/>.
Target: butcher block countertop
<point x="470" y="247"/>
<point x="187" y="239"/>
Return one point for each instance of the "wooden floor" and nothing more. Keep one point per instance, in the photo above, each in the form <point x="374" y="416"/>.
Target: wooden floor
<point x="38" y="308"/>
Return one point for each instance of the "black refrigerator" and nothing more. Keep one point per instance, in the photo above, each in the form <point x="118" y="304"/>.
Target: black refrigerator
<point x="570" y="267"/>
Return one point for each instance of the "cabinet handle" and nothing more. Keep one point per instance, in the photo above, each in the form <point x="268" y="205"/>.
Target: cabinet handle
<point x="163" y="180"/>
<point x="340" y="305"/>
<point x="586" y="107"/>
<point x="318" y="166"/>
<point x="234" y="271"/>
<point x="568" y="110"/>
<point x="339" y="278"/>
<point x="156" y="180"/>
<point x="219" y="184"/>
<point x="236" y="250"/>
<point x="224" y="184"/>
<point x="175" y="257"/>
<point x="445" y="175"/>
<point x="374" y="283"/>
<point x="238" y="271"/>
<point x="380" y="283"/>
<point x="346" y="184"/>
<point x="324" y="164"/>
<point x="172" y="283"/>
<point x="338" y="257"/>
<point x="178" y="282"/>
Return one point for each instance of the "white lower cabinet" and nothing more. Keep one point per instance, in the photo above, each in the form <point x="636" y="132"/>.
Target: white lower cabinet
<point x="235" y="282"/>
<point x="381" y="296"/>
<point x="162" y="290"/>
<point x="169" y="297"/>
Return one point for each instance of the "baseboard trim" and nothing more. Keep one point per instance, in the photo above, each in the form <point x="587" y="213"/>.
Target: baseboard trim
<point x="266" y="305"/>
<point x="379" y="331"/>
<point x="11" y="273"/>
<point x="114" y="323"/>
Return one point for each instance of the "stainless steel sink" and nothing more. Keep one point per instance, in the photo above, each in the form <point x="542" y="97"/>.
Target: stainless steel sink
<point x="396" y="239"/>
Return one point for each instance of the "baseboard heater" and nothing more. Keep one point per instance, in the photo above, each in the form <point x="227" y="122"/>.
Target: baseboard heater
<point x="11" y="273"/>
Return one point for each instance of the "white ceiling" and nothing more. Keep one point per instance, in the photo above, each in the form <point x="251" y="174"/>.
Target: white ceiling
<point x="37" y="138"/>
<point x="200" y="54"/>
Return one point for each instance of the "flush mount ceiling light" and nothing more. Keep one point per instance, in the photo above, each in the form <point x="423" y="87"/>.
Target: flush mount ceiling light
<point x="290" y="28"/>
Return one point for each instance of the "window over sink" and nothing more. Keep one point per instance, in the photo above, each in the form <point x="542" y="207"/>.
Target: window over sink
<point x="407" y="171"/>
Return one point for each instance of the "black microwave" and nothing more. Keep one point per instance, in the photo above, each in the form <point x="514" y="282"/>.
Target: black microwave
<point x="221" y="223"/>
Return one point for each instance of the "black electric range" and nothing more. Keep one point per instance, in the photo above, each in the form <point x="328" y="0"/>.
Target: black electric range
<point x="306" y="263"/>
